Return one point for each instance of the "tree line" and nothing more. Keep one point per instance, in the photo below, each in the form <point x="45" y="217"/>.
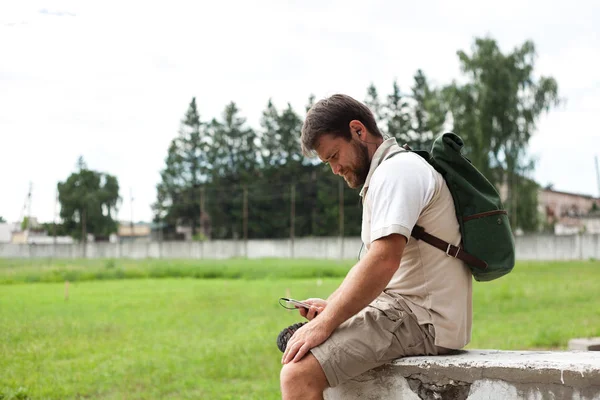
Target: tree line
<point x="224" y="179"/>
<point x="214" y="166"/>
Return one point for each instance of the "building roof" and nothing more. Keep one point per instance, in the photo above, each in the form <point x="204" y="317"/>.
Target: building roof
<point x="586" y="196"/>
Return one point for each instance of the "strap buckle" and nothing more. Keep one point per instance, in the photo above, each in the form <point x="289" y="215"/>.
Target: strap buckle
<point x="449" y="248"/>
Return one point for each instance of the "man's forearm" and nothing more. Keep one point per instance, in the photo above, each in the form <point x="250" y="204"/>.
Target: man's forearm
<point x="365" y="281"/>
<point x="333" y="295"/>
<point x="336" y="292"/>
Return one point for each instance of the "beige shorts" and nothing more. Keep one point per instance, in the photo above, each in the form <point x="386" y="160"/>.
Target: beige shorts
<point x="383" y="331"/>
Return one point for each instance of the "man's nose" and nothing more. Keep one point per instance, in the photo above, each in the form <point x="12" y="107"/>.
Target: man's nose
<point x="335" y="167"/>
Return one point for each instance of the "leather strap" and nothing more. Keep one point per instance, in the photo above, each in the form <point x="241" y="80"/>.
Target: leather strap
<point x="419" y="233"/>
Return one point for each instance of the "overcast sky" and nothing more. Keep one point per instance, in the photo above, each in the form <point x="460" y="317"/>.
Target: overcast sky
<point x="111" y="80"/>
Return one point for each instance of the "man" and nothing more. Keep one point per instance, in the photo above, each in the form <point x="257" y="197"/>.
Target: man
<point x="404" y="297"/>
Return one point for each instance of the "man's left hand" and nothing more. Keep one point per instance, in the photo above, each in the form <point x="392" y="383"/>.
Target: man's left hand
<point x="310" y="335"/>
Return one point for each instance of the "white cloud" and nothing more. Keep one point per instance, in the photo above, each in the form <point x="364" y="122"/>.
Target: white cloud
<point x="111" y="80"/>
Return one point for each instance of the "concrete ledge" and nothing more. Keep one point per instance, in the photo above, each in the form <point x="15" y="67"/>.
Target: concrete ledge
<point x="591" y="344"/>
<point x="480" y="374"/>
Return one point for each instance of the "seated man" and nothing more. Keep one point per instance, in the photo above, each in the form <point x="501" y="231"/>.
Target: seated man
<point x="404" y="297"/>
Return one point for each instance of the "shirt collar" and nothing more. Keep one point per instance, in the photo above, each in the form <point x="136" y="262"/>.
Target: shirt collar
<point x="382" y="151"/>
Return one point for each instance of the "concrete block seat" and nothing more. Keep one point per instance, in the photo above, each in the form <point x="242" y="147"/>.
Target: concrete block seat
<point x="480" y="374"/>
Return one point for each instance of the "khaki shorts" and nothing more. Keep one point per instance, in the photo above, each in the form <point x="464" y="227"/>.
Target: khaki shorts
<point x="384" y="330"/>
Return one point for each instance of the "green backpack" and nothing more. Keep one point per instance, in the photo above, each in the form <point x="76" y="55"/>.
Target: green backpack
<point x="488" y="246"/>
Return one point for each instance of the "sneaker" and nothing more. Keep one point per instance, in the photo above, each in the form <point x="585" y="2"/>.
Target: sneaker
<point x="285" y="335"/>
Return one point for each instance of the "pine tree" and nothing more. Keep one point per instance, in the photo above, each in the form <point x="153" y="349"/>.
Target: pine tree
<point x="372" y="101"/>
<point x="235" y="163"/>
<point x="397" y="116"/>
<point x="428" y="113"/>
<point x="187" y="169"/>
<point x="270" y="149"/>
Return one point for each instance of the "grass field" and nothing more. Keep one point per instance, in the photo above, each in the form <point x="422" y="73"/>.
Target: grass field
<point x="181" y="337"/>
<point x="44" y="270"/>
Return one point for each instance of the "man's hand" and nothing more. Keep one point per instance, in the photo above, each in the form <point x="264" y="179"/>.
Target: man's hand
<point x="365" y="281"/>
<point x="316" y="307"/>
<point x="310" y="335"/>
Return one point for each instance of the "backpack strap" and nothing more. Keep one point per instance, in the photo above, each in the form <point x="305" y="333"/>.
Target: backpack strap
<point x="451" y="250"/>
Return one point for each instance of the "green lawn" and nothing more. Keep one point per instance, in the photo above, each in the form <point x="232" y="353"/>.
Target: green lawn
<point x="181" y="338"/>
<point x="46" y="270"/>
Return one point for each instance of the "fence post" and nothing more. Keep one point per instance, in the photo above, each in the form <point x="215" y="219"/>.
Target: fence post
<point x="245" y="221"/>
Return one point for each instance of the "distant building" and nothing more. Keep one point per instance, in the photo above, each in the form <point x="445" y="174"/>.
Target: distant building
<point x="37" y="237"/>
<point x="567" y="213"/>
<point x="36" y="234"/>
<point x="141" y="231"/>
<point x="6" y="231"/>
<point x="570" y="213"/>
<point x="11" y="232"/>
<point x="564" y="204"/>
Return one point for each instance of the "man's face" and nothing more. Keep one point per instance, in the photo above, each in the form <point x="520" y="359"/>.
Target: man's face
<point x="349" y="159"/>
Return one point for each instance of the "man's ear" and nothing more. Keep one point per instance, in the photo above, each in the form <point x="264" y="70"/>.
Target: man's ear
<point x="357" y="129"/>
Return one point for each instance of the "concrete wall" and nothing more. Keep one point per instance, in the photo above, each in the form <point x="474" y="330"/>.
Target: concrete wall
<point x="558" y="247"/>
<point x="478" y="375"/>
<point x="528" y="247"/>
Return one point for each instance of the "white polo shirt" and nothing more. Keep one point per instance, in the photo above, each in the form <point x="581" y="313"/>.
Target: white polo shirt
<point x="399" y="193"/>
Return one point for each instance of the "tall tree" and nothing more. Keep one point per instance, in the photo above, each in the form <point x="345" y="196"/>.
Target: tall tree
<point x="295" y="171"/>
<point x="187" y="168"/>
<point x="280" y="137"/>
<point x="462" y="101"/>
<point x="88" y="200"/>
<point x="310" y="103"/>
<point x="525" y="208"/>
<point x="374" y="103"/>
<point x="270" y="149"/>
<point x="428" y="113"/>
<point x="397" y="116"/>
<point x="2" y="220"/>
<point x="290" y="126"/>
<point x="234" y="150"/>
<point x="269" y="216"/>
<point x="497" y="111"/>
<point x="234" y="159"/>
<point x="283" y="166"/>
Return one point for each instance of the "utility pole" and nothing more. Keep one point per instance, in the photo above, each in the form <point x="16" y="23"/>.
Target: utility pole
<point x="341" y="206"/>
<point x="131" y="199"/>
<point x="84" y="230"/>
<point x="292" y="218"/>
<point x="245" y="220"/>
<point x="54" y="224"/>
<point x="28" y="225"/>
<point x="597" y="174"/>
<point x="202" y="227"/>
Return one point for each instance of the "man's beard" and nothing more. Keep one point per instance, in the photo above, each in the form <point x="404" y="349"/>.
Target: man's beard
<point x="360" y="168"/>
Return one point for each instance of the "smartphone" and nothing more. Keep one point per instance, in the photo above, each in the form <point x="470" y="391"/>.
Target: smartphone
<point x="296" y="303"/>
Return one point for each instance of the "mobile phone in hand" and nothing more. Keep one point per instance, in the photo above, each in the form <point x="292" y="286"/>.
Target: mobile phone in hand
<point x="296" y="303"/>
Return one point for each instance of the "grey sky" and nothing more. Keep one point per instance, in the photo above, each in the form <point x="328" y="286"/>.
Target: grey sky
<point x="111" y="80"/>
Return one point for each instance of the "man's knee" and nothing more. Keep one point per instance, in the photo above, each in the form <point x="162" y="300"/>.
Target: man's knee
<point x="303" y="375"/>
<point x="289" y="376"/>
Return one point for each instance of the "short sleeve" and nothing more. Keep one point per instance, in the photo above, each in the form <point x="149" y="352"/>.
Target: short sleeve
<point x="399" y="190"/>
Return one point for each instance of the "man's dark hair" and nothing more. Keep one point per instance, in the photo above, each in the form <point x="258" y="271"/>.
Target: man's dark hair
<point x="332" y="115"/>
